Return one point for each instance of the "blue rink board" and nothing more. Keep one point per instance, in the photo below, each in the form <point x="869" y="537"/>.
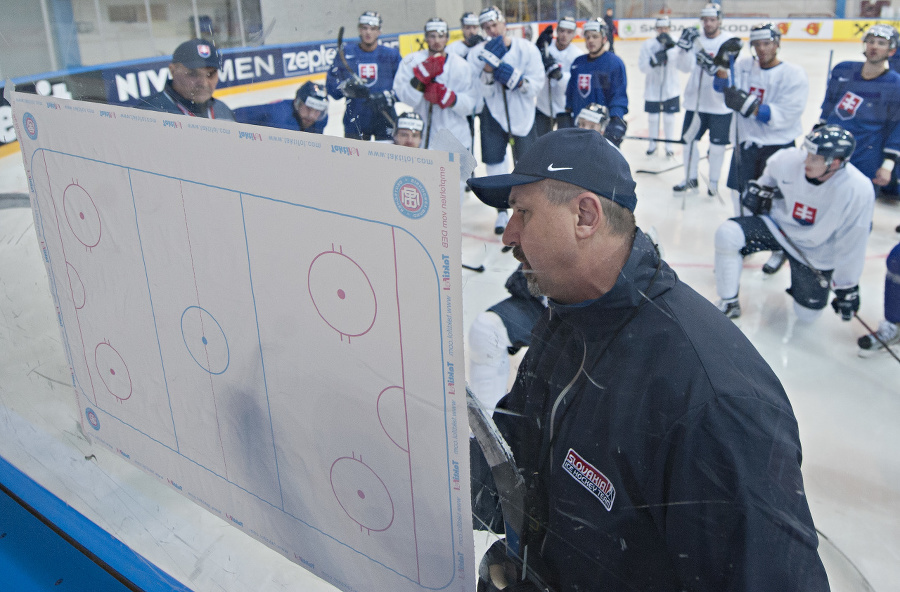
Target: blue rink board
<point x="47" y="545"/>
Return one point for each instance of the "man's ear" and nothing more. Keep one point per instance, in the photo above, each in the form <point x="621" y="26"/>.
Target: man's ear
<point x="590" y="214"/>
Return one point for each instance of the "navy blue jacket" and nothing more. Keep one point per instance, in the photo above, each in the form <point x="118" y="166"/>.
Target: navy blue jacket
<point x="665" y="450"/>
<point x="168" y="101"/>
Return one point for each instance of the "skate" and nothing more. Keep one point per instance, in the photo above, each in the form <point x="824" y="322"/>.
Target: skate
<point x="689" y="185"/>
<point x="887" y="332"/>
<point x="502" y="221"/>
<point x="730" y="307"/>
<point x="775" y="262"/>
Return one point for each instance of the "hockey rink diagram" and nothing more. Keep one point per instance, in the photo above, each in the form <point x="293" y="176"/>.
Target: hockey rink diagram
<point x="279" y="363"/>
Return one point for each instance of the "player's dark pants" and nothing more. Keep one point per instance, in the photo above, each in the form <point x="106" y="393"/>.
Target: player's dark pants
<point x="494" y="140"/>
<point x="543" y="124"/>
<point x="717" y="124"/>
<point x="805" y="288"/>
<point x="748" y="163"/>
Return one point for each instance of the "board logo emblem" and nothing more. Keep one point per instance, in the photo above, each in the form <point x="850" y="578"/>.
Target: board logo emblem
<point x="92" y="418"/>
<point x="410" y="197"/>
<point x="590" y="478"/>
<point x="30" y="124"/>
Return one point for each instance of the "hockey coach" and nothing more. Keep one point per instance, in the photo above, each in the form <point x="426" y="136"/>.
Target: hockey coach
<point x="659" y="450"/>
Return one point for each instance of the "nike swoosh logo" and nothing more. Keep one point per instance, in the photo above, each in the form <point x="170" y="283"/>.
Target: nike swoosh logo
<point x="552" y="168"/>
<point x="785" y="182"/>
<point x="349" y="56"/>
<point x="842" y="79"/>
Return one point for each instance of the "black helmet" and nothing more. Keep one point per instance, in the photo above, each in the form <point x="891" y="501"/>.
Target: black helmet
<point x="831" y="141"/>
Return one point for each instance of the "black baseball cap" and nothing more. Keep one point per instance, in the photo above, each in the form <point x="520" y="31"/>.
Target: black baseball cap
<point x="582" y="157"/>
<point x="197" y="53"/>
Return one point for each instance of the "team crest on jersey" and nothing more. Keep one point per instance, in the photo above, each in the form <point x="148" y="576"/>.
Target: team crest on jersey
<point x="590" y="478"/>
<point x="368" y="72"/>
<point x="759" y="93"/>
<point x="803" y="214"/>
<point x="584" y="84"/>
<point x="847" y="106"/>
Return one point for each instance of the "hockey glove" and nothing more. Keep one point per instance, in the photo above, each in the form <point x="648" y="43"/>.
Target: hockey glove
<point x="429" y="69"/>
<point x="545" y="38"/>
<point x="660" y="58"/>
<point x="846" y="302"/>
<point x="473" y="40"/>
<point x="665" y="40"/>
<point x="440" y="95"/>
<point x="551" y="67"/>
<point x="706" y="63"/>
<point x="688" y="35"/>
<point x="382" y="101"/>
<point x="508" y="76"/>
<point x="615" y="130"/>
<point x="493" y="52"/>
<point x="727" y="52"/>
<point x="354" y="88"/>
<point x="741" y="101"/>
<point x="757" y="199"/>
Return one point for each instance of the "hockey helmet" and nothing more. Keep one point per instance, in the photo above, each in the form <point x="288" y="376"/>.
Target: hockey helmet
<point x="469" y="19"/>
<point x="491" y="13"/>
<point x="567" y="23"/>
<point x="830" y="141"/>
<point x="594" y="113"/>
<point x="437" y="25"/>
<point x="410" y="121"/>
<point x="885" y="32"/>
<point x="370" y="18"/>
<point x="596" y="24"/>
<point x="663" y="22"/>
<point x="313" y="96"/>
<point x="712" y="9"/>
<point x="765" y="32"/>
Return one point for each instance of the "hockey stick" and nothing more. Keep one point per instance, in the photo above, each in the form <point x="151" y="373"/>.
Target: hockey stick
<point x="340" y="52"/>
<point x="823" y="281"/>
<point x="428" y="125"/>
<point x="478" y="269"/>
<point x="509" y="483"/>
<point x="662" y="140"/>
<point x="666" y="170"/>
<point x="874" y="334"/>
<point x="512" y="139"/>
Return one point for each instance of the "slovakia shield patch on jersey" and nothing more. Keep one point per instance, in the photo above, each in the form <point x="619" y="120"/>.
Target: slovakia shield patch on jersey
<point x="368" y="72"/>
<point x="584" y="84"/>
<point x="803" y="214"/>
<point x="759" y="93"/>
<point x="847" y="106"/>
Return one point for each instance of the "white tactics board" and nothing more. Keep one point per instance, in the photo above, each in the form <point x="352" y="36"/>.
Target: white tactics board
<point x="269" y="322"/>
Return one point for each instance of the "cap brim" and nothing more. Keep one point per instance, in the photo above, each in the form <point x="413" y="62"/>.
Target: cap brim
<point x="494" y="190"/>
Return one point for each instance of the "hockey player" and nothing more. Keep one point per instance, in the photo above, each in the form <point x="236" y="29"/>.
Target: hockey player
<point x="558" y="57"/>
<point x="195" y="74"/>
<point x="768" y="97"/>
<point x="471" y="38"/>
<point x="705" y="109"/>
<point x="662" y="89"/>
<point x="814" y="205"/>
<point x="864" y="99"/>
<point x="367" y="86"/>
<point x="889" y="330"/>
<point x="438" y="85"/>
<point x="511" y="76"/>
<point x="599" y="77"/>
<point x="408" y="131"/>
<point x="308" y="112"/>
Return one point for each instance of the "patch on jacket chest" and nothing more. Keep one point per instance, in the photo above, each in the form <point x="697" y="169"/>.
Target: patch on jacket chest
<point x="590" y="478"/>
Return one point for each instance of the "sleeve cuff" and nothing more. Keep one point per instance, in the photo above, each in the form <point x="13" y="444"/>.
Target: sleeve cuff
<point x="764" y="114"/>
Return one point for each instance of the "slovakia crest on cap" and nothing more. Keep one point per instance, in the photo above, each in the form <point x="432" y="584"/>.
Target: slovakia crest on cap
<point x="584" y="84"/>
<point x="203" y="50"/>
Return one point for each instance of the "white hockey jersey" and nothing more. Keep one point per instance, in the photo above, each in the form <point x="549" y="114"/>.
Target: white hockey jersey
<point x="710" y="100"/>
<point x="829" y="222"/>
<point x="556" y="96"/>
<point x="457" y="76"/>
<point x="662" y="82"/>
<point x="525" y="57"/>
<point x="784" y="89"/>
